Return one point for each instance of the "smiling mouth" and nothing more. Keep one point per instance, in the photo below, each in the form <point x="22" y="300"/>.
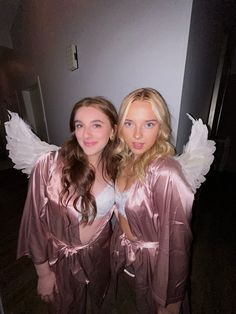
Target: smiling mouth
<point x="138" y="145"/>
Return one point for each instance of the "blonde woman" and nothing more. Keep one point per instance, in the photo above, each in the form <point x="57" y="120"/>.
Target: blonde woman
<point x="151" y="243"/>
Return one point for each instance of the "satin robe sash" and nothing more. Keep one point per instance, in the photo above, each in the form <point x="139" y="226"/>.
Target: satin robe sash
<point x="131" y="247"/>
<point x="58" y="250"/>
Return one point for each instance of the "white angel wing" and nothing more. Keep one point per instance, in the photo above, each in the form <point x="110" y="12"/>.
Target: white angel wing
<point x="197" y="155"/>
<point x="23" y="145"/>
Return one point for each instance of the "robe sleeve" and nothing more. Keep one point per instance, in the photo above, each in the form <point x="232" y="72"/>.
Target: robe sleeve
<point x="172" y="199"/>
<point x="32" y="240"/>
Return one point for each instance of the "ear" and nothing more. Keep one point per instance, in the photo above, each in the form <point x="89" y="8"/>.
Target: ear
<point x="115" y="128"/>
<point x="113" y="132"/>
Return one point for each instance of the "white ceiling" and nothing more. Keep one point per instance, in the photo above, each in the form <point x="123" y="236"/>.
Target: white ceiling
<point x="8" y="10"/>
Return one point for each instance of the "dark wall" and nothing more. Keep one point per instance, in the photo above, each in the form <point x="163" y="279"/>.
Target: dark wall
<point x="226" y="133"/>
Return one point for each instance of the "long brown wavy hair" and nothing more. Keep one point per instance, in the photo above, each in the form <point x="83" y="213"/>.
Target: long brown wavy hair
<point x="162" y="146"/>
<point x="78" y="175"/>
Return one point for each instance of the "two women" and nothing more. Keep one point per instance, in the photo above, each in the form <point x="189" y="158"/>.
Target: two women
<point x="65" y="226"/>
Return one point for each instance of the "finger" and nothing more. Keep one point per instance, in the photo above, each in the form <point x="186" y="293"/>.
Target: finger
<point x="45" y="298"/>
<point x="56" y="288"/>
<point x="51" y="298"/>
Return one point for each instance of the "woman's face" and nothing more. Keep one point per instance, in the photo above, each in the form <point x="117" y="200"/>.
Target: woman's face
<point x="140" y="129"/>
<point x="92" y="130"/>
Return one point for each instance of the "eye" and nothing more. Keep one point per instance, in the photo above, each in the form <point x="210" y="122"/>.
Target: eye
<point x="78" y="125"/>
<point x="149" y="125"/>
<point x="97" y="126"/>
<point x="128" y="124"/>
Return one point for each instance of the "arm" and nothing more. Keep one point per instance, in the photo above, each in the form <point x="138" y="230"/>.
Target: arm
<point x="33" y="239"/>
<point x="46" y="282"/>
<point x="172" y="198"/>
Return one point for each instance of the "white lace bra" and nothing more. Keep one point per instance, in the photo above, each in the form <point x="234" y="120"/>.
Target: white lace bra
<point x="104" y="201"/>
<point x="120" y="199"/>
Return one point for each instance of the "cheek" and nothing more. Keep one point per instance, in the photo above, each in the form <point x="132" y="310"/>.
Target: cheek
<point x="125" y="134"/>
<point x="153" y="137"/>
<point x="77" y="135"/>
<point x="104" y="135"/>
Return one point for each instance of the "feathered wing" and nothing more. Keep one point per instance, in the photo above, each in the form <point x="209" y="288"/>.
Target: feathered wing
<point x="23" y="145"/>
<point x="197" y="155"/>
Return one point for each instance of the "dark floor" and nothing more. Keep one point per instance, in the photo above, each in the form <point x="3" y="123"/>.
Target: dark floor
<point x="213" y="266"/>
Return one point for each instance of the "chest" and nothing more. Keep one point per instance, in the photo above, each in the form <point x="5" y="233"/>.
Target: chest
<point x="135" y="201"/>
<point x="125" y="181"/>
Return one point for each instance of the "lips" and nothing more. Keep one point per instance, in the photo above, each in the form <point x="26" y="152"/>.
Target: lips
<point x="137" y="145"/>
<point x="89" y="144"/>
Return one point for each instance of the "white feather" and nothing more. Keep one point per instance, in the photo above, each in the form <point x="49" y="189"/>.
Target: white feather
<point x="24" y="146"/>
<point x="197" y="155"/>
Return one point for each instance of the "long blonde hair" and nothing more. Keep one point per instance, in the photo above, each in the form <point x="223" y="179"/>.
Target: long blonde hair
<point x="162" y="146"/>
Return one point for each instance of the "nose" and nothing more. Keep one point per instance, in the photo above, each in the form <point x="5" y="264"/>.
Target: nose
<point x="87" y="132"/>
<point x="137" y="132"/>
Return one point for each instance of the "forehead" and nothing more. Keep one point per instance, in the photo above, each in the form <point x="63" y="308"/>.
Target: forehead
<point x="90" y="114"/>
<point x="140" y="109"/>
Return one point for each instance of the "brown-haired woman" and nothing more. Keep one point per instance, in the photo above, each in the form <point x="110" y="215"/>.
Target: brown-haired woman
<point x="65" y="227"/>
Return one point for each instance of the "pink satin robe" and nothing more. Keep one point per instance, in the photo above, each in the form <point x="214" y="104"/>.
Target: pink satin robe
<point x="159" y="213"/>
<point x="50" y="232"/>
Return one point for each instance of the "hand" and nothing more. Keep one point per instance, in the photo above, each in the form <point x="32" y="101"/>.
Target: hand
<point x="173" y="308"/>
<point x="47" y="286"/>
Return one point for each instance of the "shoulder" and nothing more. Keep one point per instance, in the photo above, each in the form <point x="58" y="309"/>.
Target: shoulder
<point x="46" y="161"/>
<point x="165" y="169"/>
<point x="47" y="157"/>
<point x="165" y="164"/>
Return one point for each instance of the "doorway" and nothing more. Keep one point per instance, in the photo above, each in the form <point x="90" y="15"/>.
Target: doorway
<point x="34" y="110"/>
<point x="222" y="112"/>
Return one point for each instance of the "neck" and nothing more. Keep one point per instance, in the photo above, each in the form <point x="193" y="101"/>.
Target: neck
<point x="94" y="161"/>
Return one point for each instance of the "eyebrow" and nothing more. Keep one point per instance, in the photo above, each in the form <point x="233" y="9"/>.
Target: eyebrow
<point x="93" y="121"/>
<point x="151" y="120"/>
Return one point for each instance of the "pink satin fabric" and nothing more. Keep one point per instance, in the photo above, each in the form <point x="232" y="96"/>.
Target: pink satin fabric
<point x="50" y="232"/>
<point x="159" y="212"/>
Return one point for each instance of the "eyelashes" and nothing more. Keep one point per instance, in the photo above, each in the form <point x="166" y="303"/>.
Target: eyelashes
<point x="146" y="125"/>
<point x="93" y="126"/>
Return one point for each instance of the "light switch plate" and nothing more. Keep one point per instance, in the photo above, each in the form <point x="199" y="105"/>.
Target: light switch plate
<point x="72" y="57"/>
